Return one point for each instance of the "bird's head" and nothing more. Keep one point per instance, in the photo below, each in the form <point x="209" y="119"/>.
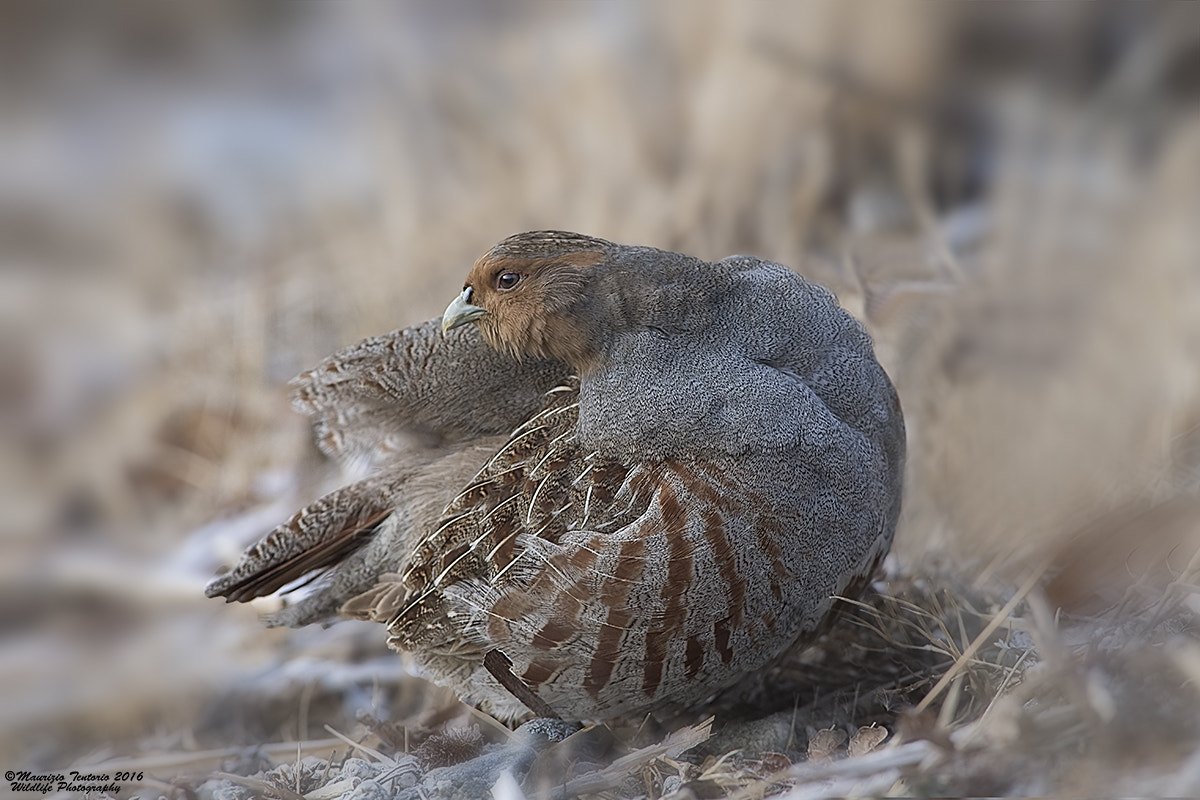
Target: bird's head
<point x="526" y="293"/>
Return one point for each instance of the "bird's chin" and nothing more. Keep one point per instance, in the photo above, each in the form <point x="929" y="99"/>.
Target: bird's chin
<point x="495" y="338"/>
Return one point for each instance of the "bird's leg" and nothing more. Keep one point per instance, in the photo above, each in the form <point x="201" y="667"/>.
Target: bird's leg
<point x="500" y="666"/>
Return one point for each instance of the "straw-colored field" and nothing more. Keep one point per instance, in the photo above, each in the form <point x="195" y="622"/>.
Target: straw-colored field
<point x="200" y="201"/>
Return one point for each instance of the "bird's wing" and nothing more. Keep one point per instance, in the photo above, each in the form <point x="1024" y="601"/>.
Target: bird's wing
<point x="371" y="399"/>
<point x="560" y="558"/>
<point x="426" y="408"/>
<point x="539" y="485"/>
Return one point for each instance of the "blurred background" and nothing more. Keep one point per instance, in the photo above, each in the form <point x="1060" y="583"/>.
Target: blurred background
<point x="198" y="201"/>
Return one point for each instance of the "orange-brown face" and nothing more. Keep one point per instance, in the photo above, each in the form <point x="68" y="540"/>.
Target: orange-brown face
<point x="522" y="303"/>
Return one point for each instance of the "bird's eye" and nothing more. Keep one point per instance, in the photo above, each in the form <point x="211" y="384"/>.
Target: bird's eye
<point x="507" y="281"/>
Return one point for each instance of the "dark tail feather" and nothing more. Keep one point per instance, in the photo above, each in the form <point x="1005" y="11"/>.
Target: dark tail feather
<point x="317" y="537"/>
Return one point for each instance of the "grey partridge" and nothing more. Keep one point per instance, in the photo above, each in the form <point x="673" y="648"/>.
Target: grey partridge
<point x="637" y="477"/>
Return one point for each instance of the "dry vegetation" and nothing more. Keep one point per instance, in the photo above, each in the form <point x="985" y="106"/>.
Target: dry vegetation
<point x="203" y="201"/>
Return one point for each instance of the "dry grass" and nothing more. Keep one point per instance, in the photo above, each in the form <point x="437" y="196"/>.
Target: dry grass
<point x="1007" y="196"/>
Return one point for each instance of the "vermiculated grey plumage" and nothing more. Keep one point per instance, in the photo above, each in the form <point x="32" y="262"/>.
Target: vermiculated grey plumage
<point x="728" y="458"/>
<point x="380" y="394"/>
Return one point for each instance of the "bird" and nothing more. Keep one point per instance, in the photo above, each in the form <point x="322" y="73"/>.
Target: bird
<point x="610" y="480"/>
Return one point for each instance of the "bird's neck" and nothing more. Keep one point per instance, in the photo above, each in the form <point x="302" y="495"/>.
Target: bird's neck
<point x="638" y="289"/>
<point x="577" y="342"/>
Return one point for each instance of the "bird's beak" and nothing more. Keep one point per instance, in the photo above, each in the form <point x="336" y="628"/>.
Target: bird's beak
<point x="460" y="312"/>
